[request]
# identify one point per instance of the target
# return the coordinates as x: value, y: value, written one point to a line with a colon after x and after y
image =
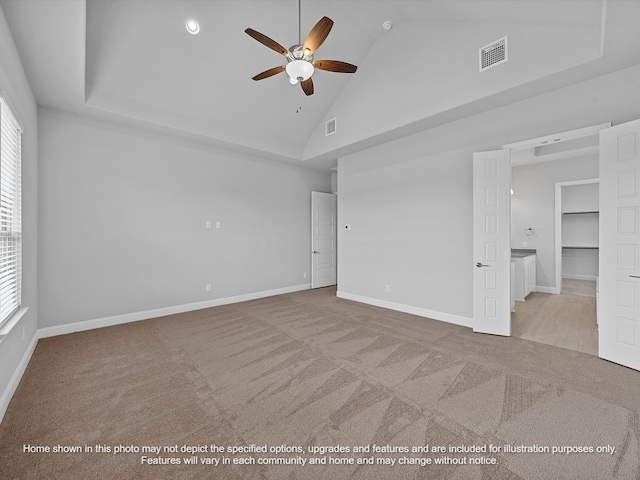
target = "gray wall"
x: 533, y: 205
x: 444, y: 78
x: 123, y: 215
x: 409, y: 202
x: 581, y: 198
x: 16, y: 87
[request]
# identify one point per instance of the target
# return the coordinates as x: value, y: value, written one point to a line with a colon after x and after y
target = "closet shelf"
x: 581, y: 247
x: 586, y: 212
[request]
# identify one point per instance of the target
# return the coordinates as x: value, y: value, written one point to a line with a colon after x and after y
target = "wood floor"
x: 585, y: 288
x: 567, y: 321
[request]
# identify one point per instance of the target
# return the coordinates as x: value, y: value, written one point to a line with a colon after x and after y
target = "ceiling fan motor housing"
x: 299, y: 63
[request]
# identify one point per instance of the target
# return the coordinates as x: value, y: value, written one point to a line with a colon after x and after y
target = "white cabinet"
x: 529, y: 274
x: 519, y: 278
x: 524, y: 271
x: 513, y: 285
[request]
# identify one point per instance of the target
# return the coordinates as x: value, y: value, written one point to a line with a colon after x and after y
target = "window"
x: 10, y: 212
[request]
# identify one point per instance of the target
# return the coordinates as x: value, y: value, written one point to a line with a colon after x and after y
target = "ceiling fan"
x: 300, y: 62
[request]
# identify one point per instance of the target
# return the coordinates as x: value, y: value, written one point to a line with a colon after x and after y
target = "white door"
x: 619, y: 297
x: 323, y: 239
x: 492, y: 242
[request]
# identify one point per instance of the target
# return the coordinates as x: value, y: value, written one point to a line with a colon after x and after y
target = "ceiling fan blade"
x: 307, y: 86
x: 269, y: 73
x: 334, y: 66
x: 318, y: 34
x: 267, y: 42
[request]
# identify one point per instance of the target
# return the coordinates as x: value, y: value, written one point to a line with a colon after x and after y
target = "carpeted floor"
x: 304, y: 376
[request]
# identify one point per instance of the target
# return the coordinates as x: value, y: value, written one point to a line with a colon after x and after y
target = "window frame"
x: 10, y: 212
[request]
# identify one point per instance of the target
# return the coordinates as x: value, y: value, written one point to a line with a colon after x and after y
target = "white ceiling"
x: 133, y: 61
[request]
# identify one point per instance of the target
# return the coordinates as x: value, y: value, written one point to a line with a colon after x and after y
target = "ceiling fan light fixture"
x: 299, y: 70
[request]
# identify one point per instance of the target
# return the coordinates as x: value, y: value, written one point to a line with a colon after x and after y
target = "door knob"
x: 481, y: 265
x: 315, y: 251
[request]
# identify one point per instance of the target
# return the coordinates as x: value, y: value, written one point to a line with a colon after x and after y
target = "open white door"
x: 323, y: 239
x: 492, y: 242
x: 619, y: 270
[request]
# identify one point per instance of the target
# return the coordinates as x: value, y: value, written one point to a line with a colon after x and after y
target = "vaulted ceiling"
x: 133, y: 61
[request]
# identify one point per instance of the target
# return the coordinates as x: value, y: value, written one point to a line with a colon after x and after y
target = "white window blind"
x: 10, y: 212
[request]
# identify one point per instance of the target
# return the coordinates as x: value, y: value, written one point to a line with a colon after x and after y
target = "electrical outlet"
x: 524, y: 244
x: 304, y: 275
x: 208, y: 287
x: 387, y: 288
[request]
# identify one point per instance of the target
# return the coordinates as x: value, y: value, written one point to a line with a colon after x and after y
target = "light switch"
x: 217, y: 224
x: 207, y: 224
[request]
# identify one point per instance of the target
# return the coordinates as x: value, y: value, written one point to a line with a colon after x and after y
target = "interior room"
x: 212, y: 256
x: 555, y: 205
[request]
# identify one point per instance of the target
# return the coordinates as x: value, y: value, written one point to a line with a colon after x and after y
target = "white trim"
x: 558, y: 225
x: 7, y: 395
x: 422, y: 312
x: 591, y: 278
x: 11, y: 322
x: 161, y: 312
x: 546, y: 289
x: 558, y: 137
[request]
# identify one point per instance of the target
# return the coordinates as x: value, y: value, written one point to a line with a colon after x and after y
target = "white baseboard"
x: 162, y: 312
x: 580, y: 277
x: 17, y: 376
x: 546, y: 289
x: 421, y: 312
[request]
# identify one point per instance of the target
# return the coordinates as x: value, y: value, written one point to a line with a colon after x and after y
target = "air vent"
x: 330, y: 127
x: 493, y: 54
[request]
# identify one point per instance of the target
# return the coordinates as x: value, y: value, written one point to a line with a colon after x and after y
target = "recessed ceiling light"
x: 192, y: 27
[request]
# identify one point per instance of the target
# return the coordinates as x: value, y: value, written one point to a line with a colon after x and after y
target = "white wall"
x: 581, y: 198
x: 383, y: 96
x: 409, y: 202
x: 123, y: 215
x: 533, y: 205
x: 15, y: 347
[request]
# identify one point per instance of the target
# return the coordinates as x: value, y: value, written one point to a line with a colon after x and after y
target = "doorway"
x: 323, y: 239
x: 617, y: 299
x: 577, y: 219
x: 564, y: 235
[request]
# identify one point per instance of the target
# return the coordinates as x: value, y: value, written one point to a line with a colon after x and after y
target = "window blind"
x: 10, y: 212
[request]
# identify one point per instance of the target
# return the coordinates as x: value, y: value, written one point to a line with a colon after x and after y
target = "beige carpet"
x: 307, y: 370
